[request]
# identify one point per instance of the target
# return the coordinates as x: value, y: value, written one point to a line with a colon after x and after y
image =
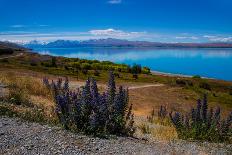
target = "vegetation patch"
x: 203, y: 124
x: 92, y: 112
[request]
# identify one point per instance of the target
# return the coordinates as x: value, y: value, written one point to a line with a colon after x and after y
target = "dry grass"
x: 158, y: 132
x: 29, y: 97
x: 174, y: 98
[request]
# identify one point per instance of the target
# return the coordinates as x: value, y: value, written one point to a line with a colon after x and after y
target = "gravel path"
x: 18, y: 137
x: 145, y: 86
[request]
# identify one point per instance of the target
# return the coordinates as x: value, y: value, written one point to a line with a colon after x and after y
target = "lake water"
x: 212, y: 63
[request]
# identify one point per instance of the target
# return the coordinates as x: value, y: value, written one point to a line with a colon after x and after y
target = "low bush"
x: 146, y: 70
x: 5, y: 51
x: 205, y: 85
x: 96, y: 73
x: 203, y: 124
x: 135, y: 76
x: 184, y: 82
x: 92, y: 112
x: 196, y: 77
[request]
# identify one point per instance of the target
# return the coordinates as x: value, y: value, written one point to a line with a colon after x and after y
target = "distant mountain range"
x: 110, y: 42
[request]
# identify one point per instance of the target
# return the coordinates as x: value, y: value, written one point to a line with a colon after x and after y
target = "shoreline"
x: 179, y: 75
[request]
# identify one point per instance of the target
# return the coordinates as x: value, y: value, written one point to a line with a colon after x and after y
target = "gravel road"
x: 18, y: 137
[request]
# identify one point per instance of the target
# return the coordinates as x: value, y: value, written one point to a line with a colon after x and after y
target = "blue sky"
x: 151, y: 20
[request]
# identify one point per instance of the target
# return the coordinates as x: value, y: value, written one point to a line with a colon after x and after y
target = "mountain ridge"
x: 111, y: 42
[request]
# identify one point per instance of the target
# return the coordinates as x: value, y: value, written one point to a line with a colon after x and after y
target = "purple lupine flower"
x: 198, y: 110
x: 111, y: 88
x: 59, y: 83
x: 176, y: 119
x: 209, y: 118
x: 217, y: 114
x: 204, y: 108
x: 66, y: 85
x: 162, y: 113
x: 193, y: 114
x: 46, y: 82
x: 94, y: 95
x: 186, y: 122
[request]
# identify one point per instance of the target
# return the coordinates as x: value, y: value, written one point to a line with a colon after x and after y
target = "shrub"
x: 96, y: 66
x: 75, y: 65
x: 203, y: 124
x: 135, y: 76
x: 6, y: 51
x: 136, y: 69
x: 117, y: 75
x: 146, y: 70
x: 93, y: 112
x: 53, y: 62
x: 96, y: 73
x: 84, y: 71
x: 33, y: 64
x: 205, y: 85
x: 184, y: 82
x: 196, y: 77
x: 85, y: 66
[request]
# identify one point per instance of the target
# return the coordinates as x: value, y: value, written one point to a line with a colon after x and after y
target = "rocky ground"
x: 19, y: 137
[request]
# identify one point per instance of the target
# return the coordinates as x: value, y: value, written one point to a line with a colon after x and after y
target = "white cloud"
x: 218, y: 38
x: 43, y: 25
x: 17, y: 26
x: 18, y: 36
x: 116, y: 33
x: 115, y: 1
x: 186, y: 37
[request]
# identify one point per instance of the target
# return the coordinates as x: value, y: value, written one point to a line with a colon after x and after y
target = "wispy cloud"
x: 115, y: 1
x: 187, y: 37
x: 26, y: 36
x: 116, y: 33
x: 28, y: 26
x: 218, y: 38
x: 17, y: 26
x: 43, y: 25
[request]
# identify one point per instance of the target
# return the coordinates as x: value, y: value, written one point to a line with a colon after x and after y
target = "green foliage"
x: 146, y: 70
x: 53, y: 62
x: 184, y: 82
x: 203, y: 124
x: 205, y: 85
x: 196, y: 77
x: 85, y: 66
x: 75, y: 65
x: 136, y: 69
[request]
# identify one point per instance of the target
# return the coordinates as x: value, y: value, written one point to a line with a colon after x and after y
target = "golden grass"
x: 31, y: 97
x: 158, y: 132
x: 161, y: 130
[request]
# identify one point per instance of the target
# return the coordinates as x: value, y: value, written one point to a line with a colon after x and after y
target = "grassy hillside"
x: 31, y: 100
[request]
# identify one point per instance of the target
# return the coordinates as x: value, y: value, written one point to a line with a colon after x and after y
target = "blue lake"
x: 212, y: 63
